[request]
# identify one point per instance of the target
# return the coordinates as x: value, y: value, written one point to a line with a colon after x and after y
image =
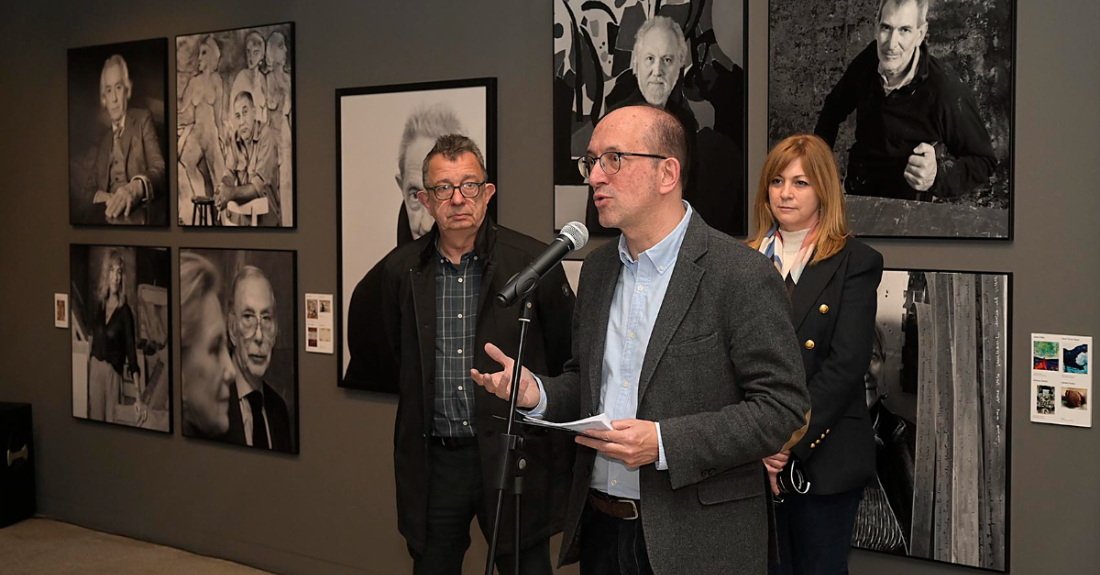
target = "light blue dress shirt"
x: 639, y: 292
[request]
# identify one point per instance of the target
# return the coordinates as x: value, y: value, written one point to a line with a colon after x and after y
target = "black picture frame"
x: 370, y: 122
x: 812, y: 44
x: 143, y: 139
x: 201, y: 406
x: 265, y: 152
x: 965, y: 317
x: 139, y: 396
x: 592, y: 46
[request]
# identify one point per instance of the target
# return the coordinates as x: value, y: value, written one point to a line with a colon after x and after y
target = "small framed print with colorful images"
x: 1061, y: 383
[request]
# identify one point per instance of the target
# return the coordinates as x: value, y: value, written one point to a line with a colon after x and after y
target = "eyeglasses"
x: 443, y: 192
x: 610, y: 162
x: 250, y: 321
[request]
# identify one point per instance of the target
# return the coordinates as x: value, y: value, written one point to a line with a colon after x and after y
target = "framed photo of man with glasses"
x: 238, y: 341
x: 383, y: 134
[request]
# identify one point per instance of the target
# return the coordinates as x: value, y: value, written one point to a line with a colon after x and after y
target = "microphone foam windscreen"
x: 577, y: 233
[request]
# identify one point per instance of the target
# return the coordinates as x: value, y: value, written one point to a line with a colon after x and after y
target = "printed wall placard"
x: 1061, y: 382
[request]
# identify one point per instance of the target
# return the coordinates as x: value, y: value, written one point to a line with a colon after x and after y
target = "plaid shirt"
x: 457, y: 290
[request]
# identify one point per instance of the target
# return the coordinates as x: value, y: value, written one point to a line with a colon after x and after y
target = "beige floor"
x: 46, y: 547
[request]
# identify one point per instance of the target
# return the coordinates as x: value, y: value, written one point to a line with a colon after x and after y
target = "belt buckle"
x: 634, y: 508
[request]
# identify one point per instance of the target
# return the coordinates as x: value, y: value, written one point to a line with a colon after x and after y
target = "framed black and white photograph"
x: 938, y: 392
x: 917, y: 100
x: 383, y: 135
x: 235, y: 127
x: 117, y: 136
x: 120, y: 326
x: 687, y: 57
x: 239, y: 347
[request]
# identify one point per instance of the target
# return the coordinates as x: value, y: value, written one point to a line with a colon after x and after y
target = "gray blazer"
x: 723, y: 376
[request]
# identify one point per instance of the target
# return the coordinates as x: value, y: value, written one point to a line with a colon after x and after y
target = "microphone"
x: 572, y: 237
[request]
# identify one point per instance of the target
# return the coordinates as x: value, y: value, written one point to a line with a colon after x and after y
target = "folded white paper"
x: 597, y: 422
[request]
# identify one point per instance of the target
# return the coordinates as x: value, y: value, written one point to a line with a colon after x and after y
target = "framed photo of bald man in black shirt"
x: 686, y: 57
x: 917, y: 100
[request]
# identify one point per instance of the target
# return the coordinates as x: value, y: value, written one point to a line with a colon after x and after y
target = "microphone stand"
x: 513, y: 463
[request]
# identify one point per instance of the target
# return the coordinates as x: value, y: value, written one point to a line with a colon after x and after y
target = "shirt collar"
x: 443, y: 259
x: 244, y: 388
x: 910, y: 74
x: 118, y: 127
x: 483, y: 243
x: 664, y: 253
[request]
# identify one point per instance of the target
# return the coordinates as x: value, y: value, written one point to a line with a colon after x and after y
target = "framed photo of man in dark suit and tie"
x: 117, y: 138
x: 238, y: 342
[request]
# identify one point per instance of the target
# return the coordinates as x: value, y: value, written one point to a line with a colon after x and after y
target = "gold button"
x: 827, y: 431
x: 823, y: 309
x: 813, y: 445
x: 822, y: 436
x: 809, y: 344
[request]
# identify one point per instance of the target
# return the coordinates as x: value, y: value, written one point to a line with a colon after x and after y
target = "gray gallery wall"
x: 331, y: 510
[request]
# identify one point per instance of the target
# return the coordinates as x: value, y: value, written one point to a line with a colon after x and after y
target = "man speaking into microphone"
x: 683, y: 339
x: 436, y: 310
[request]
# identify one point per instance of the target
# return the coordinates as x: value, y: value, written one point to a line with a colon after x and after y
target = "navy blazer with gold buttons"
x: 833, y: 309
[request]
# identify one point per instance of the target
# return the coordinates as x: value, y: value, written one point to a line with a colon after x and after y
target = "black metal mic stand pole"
x: 512, y: 463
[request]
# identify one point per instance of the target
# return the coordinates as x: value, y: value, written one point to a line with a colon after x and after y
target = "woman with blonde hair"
x: 114, y: 350
x: 832, y: 280
x: 207, y: 371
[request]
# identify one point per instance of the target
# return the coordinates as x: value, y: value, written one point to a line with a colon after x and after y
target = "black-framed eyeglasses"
x: 444, y: 192
x: 610, y: 162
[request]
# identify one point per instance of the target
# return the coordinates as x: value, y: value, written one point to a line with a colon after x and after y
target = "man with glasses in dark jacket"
x: 417, y: 324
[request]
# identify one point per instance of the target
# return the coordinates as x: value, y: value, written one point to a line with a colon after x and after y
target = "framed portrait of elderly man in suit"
x: 916, y: 99
x: 685, y: 56
x: 117, y: 138
x: 239, y: 347
x: 383, y: 134
x: 235, y: 131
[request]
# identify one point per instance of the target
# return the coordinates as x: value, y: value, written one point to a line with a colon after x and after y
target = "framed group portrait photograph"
x: 119, y: 328
x: 938, y: 394
x: 383, y: 135
x: 687, y: 57
x: 239, y: 347
x: 235, y: 127
x: 117, y: 136
x: 916, y: 99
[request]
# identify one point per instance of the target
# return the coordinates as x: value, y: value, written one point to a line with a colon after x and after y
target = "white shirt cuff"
x: 540, y: 409
x: 662, y: 463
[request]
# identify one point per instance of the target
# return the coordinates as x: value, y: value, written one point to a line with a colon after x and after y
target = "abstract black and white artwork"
x: 235, y: 127
x: 383, y: 136
x: 239, y: 342
x: 685, y: 56
x: 117, y: 137
x: 938, y: 393
x: 121, y: 360
x: 916, y: 99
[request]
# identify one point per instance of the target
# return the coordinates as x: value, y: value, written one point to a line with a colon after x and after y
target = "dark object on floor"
x: 17, y: 500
